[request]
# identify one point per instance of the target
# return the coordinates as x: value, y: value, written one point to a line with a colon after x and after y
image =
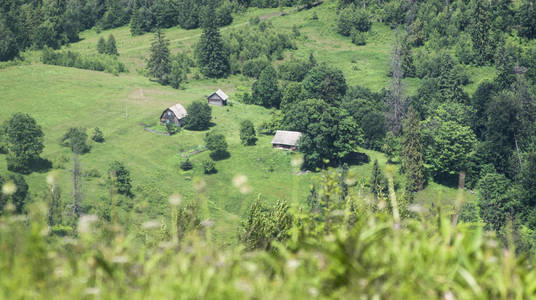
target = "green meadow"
x: 60, y: 98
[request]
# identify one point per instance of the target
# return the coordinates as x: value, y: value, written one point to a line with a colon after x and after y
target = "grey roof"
x: 283, y: 137
x: 179, y: 111
x: 221, y: 94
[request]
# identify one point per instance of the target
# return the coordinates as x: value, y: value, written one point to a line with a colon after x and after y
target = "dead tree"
x: 396, y: 101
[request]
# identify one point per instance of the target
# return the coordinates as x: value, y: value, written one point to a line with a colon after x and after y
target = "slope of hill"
x: 59, y: 98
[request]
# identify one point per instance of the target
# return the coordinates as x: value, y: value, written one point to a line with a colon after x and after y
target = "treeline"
x: 52, y: 23
x: 97, y: 62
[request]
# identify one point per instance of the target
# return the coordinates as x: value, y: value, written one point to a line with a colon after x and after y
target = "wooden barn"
x: 287, y: 140
x: 174, y: 114
x: 218, y: 98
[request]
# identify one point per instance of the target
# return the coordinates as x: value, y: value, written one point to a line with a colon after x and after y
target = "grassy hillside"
x: 59, y: 98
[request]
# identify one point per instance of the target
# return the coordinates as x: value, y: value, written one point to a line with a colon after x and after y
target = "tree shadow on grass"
x: 210, y: 125
x: 41, y: 165
x: 356, y: 158
x: 219, y: 155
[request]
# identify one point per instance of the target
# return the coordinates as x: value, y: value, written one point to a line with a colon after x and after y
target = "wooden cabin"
x: 174, y: 114
x: 218, y: 98
x: 287, y: 140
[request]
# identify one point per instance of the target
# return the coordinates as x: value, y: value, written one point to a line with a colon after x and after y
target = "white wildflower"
x: 239, y: 180
x: 296, y: 162
x: 121, y: 259
x: 175, y: 199
x: 9, y: 188
x: 151, y: 224
x: 199, y: 185
x: 92, y: 291
x: 85, y: 221
x: 292, y: 264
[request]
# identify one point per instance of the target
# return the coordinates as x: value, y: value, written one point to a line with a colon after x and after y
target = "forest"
x: 415, y: 175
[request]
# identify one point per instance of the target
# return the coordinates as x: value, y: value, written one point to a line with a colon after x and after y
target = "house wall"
x: 284, y: 147
x: 169, y: 116
x: 215, y: 100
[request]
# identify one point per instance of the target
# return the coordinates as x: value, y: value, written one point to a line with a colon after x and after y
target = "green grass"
x: 59, y: 98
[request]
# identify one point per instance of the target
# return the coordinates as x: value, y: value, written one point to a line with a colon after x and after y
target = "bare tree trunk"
x: 395, y: 101
x: 459, y: 197
x: 77, y: 187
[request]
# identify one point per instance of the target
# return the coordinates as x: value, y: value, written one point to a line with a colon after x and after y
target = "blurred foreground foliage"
x: 343, y: 244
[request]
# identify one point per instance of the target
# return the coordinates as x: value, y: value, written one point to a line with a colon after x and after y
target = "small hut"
x: 287, y: 140
x: 174, y: 114
x: 218, y: 98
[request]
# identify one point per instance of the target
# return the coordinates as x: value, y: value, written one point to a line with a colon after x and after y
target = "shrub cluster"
x: 105, y: 63
x: 252, y: 48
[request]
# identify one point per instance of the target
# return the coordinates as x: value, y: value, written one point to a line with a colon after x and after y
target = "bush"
x: 76, y: 139
x: 253, y: 67
x: 260, y: 44
x: 100, y: 62
x: 353, y: 18
x: 217, y: 145
x: 358, y: 37
x: 186, y: 165
x: 247, y: 133
x: 120, y: 178
x: 209, y: 167
x: 172, y: 128
x: 98, y: 136
x: 294, y: 69
x: 199, y: 115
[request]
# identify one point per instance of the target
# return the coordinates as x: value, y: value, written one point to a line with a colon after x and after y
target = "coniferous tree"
x: 266, y: 90
x: 391, y: 146
x: 412, y: 156
x: 480, y: 31
x: 378, y: 181
x: 527, y: 18
x: 120, y: 175
x: 101, y: 46
x: 450, y: 88
x: 55, y: 209
x: 158, y: 64
x: 178, y: 71
x: 111, y: 47
x: 211, y: 54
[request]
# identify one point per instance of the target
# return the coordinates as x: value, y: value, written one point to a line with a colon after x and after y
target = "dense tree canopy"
x: 265, y: 91
x: 24, y: 142
x: 199, y: 115
x: 324, y: 82
x: 329, y: 133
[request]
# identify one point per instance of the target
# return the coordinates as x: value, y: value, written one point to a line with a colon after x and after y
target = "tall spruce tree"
x: 480, y: 31
x: 111, y: 47
x: 211, y: 54
x: 378, y: 181
x: 101, y: 46
x: 158, y: 64
x: 412, y: 157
